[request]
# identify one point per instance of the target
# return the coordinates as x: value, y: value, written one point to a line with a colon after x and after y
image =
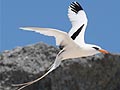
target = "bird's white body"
x: 72, y: 43
x: 77, y: 51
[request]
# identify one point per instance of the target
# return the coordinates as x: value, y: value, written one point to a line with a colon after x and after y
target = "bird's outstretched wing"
x: 60, y: 36
x: 53, y: 66
x: 79, y: 20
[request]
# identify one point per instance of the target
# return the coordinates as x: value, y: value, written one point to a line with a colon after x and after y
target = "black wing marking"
x: 61, y: 47
x: 77, y: 32
x: 76, y: 7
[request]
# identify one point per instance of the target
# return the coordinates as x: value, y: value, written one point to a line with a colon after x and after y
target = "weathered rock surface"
x: 23, y: 64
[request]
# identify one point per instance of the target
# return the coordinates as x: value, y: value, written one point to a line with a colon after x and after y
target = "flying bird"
x: 72, y: 44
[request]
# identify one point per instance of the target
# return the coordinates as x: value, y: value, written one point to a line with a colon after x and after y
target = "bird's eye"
x: 96, y: 48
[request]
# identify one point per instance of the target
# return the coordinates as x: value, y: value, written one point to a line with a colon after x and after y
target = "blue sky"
x: 103, y: 27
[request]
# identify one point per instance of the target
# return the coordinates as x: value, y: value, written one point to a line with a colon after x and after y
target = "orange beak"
x: 103, y: 51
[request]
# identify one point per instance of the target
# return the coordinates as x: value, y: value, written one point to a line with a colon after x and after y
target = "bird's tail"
x: 54, y: 66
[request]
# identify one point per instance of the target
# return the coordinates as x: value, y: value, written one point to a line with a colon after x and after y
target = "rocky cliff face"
x: 23, y: 64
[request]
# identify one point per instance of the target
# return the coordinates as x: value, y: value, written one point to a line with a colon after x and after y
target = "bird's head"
x: 99, y: 49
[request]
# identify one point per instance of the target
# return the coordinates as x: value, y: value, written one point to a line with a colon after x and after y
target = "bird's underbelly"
x: 76, y: 53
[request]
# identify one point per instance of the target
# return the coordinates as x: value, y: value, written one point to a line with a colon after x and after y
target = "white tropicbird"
x: 72, y: 44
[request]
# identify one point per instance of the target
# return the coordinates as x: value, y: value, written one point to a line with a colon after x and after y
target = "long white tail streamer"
x: 54, y: 66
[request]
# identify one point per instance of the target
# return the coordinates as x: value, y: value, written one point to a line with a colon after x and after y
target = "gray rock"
x: 23, y: 64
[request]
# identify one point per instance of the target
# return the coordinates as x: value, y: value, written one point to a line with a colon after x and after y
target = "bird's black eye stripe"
x: 96, y: 48
x: 76, y: 7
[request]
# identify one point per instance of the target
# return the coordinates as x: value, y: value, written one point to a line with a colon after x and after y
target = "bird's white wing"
x: 62, y: 38
x: 78, y: 19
